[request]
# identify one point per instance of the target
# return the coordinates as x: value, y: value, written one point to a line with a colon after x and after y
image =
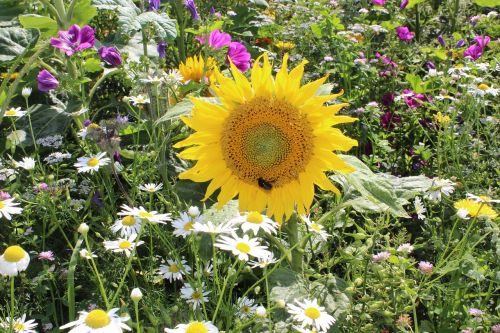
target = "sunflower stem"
x: 293, y: 237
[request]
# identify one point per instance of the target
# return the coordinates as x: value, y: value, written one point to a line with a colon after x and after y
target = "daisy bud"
x: 257, y: 290
x: 261, y: 312
x: 193, y: 211
x: 83, y: 229
x: 26, y: 92
x: 136, y: 295
x: 280, y: 303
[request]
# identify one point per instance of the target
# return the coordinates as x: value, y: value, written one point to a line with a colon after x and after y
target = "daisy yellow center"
x: 92, y: 162
x: 145, y: 215
x: 483, y: 86
x: 267, y: 140
x: 188, y: 226
x: 316, y: 227
x: 2, y: 205
x: 14, y: 253
x: 196, y: 327
x: 245, y: 309
x: 10, y: 113
x: 97, y: 319
x: 174, y: 268
x: 151, y: 189
x: 255, y: 217
x: 243, y: 247
x: 312, y: 313
x: 197, y: 295
x: 124, y: 245
x: 128, y: 220
x: 19, y: 326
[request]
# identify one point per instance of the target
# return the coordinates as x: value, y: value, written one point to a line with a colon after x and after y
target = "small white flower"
x: 173, y: 77
x: 316, y: 227
x: 174, y: 270
x: 482, y: 198
x: 246, y: 307
x: 261, y: 312
x: 263, y: 261
x: 255, y: 221
x: 194, y: 296
x: 27, y: 163
x: 20, y: 325
x: 98, y: 321
x: 8, y: 208
x: 211, y: 228
x: 405, y: 248
x: 127, y: 225
x: 141, y: 212
x: 26, y: 92
x: 156, y: 80
x: 243, y: 247
x: 139, y: 100
x: 13, y: 260
x: 193, y: 211
x: 92, y: 163
x: 150, y: 187
x: 125, y: 245
x: 184, y: 225
x: 56, y: 157
x: 85, y: 254
x: 194, y: 327
x: 83, y: 228
x: 380, y: 257
x: 419, y: 208
x: 309, y: 313
x: 14, y: 112
x: 440, y: 186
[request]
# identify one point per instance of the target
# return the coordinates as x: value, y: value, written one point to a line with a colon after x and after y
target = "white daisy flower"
x: 205, y: 271
x: 127, y: 225
x: 482, y: 198
x: 174, y: 271
x: 419, y: 208
x: 194, y: 327
x: 85, y: 254
x: 255, y: 221
x: 125, y: 245
x: 194, y: 296
x: 246, y: 307
x: 263, y: 261
x: 92, y: 163
x: 405, y: 248
x: 193, y: 211
x: 184, y: 225
x: 13, y: 260
x: 27, y: 163
x: 20, y: 325
x: 242, y: 247
x: 98, y: 321
x: 138, y: 100
x: 463, y: 213
x: 309, y: 313
x: 316, y: 227
x: 440, y: 186
x: 156, y: 80
x: 173, y: 77
x: 211, y: 228
x: 14, y: 112
x: 142, y: 213
x: 26, y: 92
x: 8, y: 208
x: 151, y: 188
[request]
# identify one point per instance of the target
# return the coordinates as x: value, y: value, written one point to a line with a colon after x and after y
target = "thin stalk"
x: 96, y: 272
x: 12, y: 304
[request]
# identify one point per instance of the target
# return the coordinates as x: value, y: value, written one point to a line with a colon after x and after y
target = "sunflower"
x: 269, y: 142
x: 195, y: 69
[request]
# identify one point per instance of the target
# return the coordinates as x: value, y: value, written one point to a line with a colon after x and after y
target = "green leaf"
x: 14, y: 41
x: 316, y: 30
x: 114, y: 4
x: 413, y: 3
x: 92, y: 65
x: 487, y: 3
x: 165, y: 27
x: 415, y: 82
x: 46, y: 25
x: 84, y: 12
x: 183, y: 108
x: 441, y: 54
x: 9, y: 10
x: 46, y: 120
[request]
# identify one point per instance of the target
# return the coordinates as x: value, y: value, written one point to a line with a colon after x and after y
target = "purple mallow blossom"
x: 191, y: 6
x: 378, y: 2
x: 239, y: 56
x: 412, y: 99
x: 46, y: 81
x: 403, y: 4
x: 476, y: 50
x: 404, y: 34
x: 74, y: 40
x: 154, y: 5
x: 110, y: 55
x: 218, y: 39
x: 162, y: 49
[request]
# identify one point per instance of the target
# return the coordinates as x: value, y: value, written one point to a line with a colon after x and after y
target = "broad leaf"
x: 413, y: 3
x: 46, y: 25
x: 165, y: 27
x: 487, y: 3
x: 14, y: 41
x: 83, y: 13
x: 183, y: 108
x: 114, y: 4
x: 46, y: 120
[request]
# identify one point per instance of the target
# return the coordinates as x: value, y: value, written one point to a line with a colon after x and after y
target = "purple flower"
x: 476, y: 50
x: 382, y: 256
x: 412, y: 99
x: 219, y: 39
x: 191, y: 6
x: 4, y: 196
x: 430, y: 65
x: 403, y: 4
x: 388, y: 120
x: 154, y: 5
x: 441, y: 41
x: 378, y: 2
x: 74, y: 40
x: 460, y: 43
x: 214, y: 12
x: 239, y: 56
x: 41, y: 187
x: 388, y: 99
x: 122, y: 120
x: 46, y: 255
x: 87, y: 122
x: 46, y: 81
x: 404, y: 34
x: 476, y: 312
x: 162, y: 49
x: 117, y: 157
x: 386, y: 60
x: 110, y: 55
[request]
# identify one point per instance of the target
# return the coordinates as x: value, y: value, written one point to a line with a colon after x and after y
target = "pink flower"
x: 382, y: 256
x: 218, y: 39
x: 378, y: 2
x: 239, y: 56
x: 425, y: 267
x: 476, y: 50
x: 74, y: 40
x: 412, y: 99
x: 46, y: 255
x: 405, y: 34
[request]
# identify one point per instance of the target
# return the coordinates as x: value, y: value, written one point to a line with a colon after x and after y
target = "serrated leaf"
x: 183, y: 108
x: 46, y: 25
x: 14, y: 41
x: 83, y: 13
x: 114, y: 4
x: 487, y: 3
x: 92, y: 65
x: 165, y: 27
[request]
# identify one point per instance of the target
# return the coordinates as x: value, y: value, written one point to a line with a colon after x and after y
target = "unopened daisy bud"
x: 193, y: 211
x: 136, y: 295
x: 83, y: 229
x: 257, y: 290
x: 261, y: 312
x: 26, y: 92
x: 280, y: 303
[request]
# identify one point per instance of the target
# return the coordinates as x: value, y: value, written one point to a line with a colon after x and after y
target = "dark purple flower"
x: 110, y: 55
x: 191, y: 6
x: 219, y: 39
x: 154, y: 5
x: 87, y: 122
x: 74, y: 40
x: 430, y: 65
x: 386, y: 60
x: 412, y: 99
x: 117, y: 157
x: 239, y: 56
x: 460, y: 43
x: 403, y: 4
x: 388, y: 99
x: 388, y: 120
x: 162, y: 49
x: 96, y: 199
x: 46, y: 81
x: 441, y: 41
x: 404, y: 34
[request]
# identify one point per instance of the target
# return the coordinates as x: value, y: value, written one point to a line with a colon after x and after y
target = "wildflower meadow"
x: 195, y: 166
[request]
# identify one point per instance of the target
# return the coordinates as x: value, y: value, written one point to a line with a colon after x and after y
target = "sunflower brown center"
x: 267, y: 140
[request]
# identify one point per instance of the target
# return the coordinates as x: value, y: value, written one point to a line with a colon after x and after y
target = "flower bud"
x: 281, y: 303
x: 261, y: 312
x: 136, y: 295
x: 26, y: 92
x: 193, y: 211
x: 83, y: 229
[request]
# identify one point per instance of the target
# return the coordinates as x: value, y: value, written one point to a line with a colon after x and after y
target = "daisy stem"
x: 223, y: 289
x: 214, y: 259
x: 12, y: 304
x: 96, y: 272
x: 138, y: 323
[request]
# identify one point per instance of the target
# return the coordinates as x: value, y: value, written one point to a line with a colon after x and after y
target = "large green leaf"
x: 46, y: 120
x: 487, y: 3
x: 84, y: 12
x: 413, y: 3
x: 14, y: 41
x: 46, y: 25
x: 9, y: 10
x: 114, y: 4
x: 165, y: 27
x: 184, y: 108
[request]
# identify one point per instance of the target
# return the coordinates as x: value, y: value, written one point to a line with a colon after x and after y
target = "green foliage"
x: 46, y: 25
x: 83, y: 13
x: 15, y: 41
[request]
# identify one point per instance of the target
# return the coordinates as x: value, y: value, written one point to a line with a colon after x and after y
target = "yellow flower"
x: 195, y: 69
x: 442, y: 119
x: 269, y: 142
x: 284, y: 45
x: 483, y: 86
x: 469, y: 207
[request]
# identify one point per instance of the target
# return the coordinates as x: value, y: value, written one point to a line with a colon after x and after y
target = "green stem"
x: 96, y: 272
x: 222, y: 292
x: 138, y: 324
x: 293, y: 238
x: 12, y: 304
x: 417, y: 23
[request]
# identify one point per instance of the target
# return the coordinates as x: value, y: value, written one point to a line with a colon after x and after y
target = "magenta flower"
x: 378, y: 2
x: 239, y: 56
x: 110, y: 55
x: 403, y: 4
x: 191, y: 6
x: 46, y: 81
x: 389, y: 120
x: 476, y: 50
x: 74, y: 40
x: 404, y: 34
x: 412, y: 99
x: 219, y: 39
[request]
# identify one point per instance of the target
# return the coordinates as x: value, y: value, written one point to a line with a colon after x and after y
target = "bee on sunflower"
x: 269, y: 142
